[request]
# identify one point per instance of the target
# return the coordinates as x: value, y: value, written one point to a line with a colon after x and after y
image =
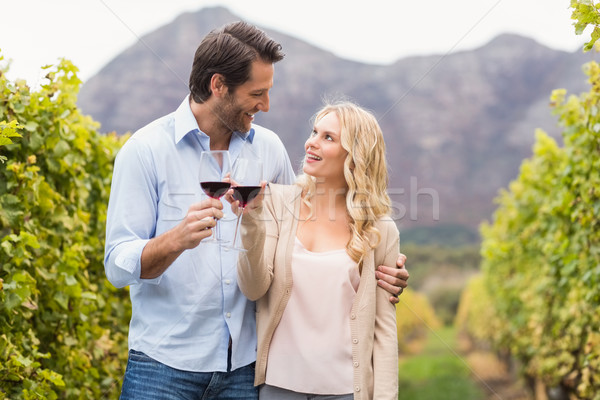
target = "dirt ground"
x: 495, y: 380
x: 494, y: 377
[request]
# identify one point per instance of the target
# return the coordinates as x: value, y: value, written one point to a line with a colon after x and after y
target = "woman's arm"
x: 259, y: 231
x: 385, y: 346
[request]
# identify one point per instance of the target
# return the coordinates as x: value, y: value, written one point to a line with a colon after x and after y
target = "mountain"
x: 457, y: 126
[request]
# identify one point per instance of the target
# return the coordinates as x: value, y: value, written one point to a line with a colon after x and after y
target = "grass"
x: 437, y: 372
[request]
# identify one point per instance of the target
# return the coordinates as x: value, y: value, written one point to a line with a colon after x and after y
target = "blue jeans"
x: 148, y: 379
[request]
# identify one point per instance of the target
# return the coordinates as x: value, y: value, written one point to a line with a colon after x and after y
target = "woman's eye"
x: 327, y: 137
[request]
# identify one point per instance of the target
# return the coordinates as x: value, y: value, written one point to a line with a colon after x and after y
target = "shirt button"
x: 228, y: 315
x: 227, y: 281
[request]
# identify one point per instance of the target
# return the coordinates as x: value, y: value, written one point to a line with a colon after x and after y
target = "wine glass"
x: 215, y: 165
x: 246, y: 176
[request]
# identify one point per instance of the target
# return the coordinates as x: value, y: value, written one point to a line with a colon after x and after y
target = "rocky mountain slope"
x: 457, y: 125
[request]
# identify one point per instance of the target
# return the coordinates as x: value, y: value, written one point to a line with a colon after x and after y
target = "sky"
x: 34, y: 33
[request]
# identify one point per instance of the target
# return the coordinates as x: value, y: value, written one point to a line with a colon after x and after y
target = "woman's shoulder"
x: 278, y: 190
x: 279, y: 197
x: 386, y: 225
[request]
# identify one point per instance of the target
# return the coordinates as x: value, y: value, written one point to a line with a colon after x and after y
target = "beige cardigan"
x: 264, y: 274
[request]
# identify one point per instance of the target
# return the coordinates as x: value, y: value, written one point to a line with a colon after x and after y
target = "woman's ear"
x: 351, y: 165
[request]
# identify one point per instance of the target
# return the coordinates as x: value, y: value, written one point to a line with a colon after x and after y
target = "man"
x: 192, y: 332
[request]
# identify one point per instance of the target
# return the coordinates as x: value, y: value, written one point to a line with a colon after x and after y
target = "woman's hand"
x: 252, y: 205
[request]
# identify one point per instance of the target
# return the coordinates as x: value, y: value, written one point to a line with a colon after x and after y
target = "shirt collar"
x: 248, y: 136
x: 185, y: 123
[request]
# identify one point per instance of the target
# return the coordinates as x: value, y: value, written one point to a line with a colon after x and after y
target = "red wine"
x: 245, y: 194
x: 216, y: 190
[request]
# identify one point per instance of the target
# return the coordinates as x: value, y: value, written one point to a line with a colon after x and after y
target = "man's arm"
x: 132, y: 251
x: 393, y: 280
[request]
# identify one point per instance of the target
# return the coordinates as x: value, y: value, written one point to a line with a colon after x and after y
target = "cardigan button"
x: 354, y: 341
x: 356, y: 364
x: 352, y: 316
x: 357, y: 388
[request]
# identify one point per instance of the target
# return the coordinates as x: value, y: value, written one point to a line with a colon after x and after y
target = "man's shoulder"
x: 156, y: 128
x: 261, y: 130
x: 155, y: 133
x: 265, y: 136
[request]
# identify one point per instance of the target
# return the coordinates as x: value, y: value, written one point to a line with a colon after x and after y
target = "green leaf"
x: 31, y: 126
x: 22, y: 361
x: 36, y: 141
x: 61, y: 148
x: 62, y: 300
x: 11, y: 300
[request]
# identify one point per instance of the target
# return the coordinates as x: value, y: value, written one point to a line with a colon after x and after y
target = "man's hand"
x: 394, y: 280
x: 198, y: 223
x: 160, y: 252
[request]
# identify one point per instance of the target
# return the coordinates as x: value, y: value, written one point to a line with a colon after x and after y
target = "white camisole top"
x: 311, y: 349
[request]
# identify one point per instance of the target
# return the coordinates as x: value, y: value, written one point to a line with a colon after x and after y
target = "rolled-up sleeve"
x: 131, y: 215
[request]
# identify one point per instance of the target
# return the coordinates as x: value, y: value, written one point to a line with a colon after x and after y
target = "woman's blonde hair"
x: 365, y: 171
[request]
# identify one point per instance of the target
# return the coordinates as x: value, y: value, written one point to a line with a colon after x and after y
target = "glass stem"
x: 237, y: 224
x: 216, y: 232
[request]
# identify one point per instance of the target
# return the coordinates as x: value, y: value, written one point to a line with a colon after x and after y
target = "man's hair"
x: 230, y: 51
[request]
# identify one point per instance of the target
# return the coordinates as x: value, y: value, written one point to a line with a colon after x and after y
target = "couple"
x: 193, y: 332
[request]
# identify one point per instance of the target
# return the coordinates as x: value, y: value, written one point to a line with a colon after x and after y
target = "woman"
x: 324, y: 326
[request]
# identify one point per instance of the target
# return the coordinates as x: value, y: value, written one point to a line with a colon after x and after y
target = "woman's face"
x: 324, y: 152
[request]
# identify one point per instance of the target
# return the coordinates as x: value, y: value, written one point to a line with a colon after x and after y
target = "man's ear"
x: 217, y: 85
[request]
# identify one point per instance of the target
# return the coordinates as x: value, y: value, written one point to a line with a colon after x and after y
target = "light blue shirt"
x: 184, y: 317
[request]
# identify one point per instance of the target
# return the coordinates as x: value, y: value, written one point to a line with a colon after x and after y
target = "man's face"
x: 236, y: 110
